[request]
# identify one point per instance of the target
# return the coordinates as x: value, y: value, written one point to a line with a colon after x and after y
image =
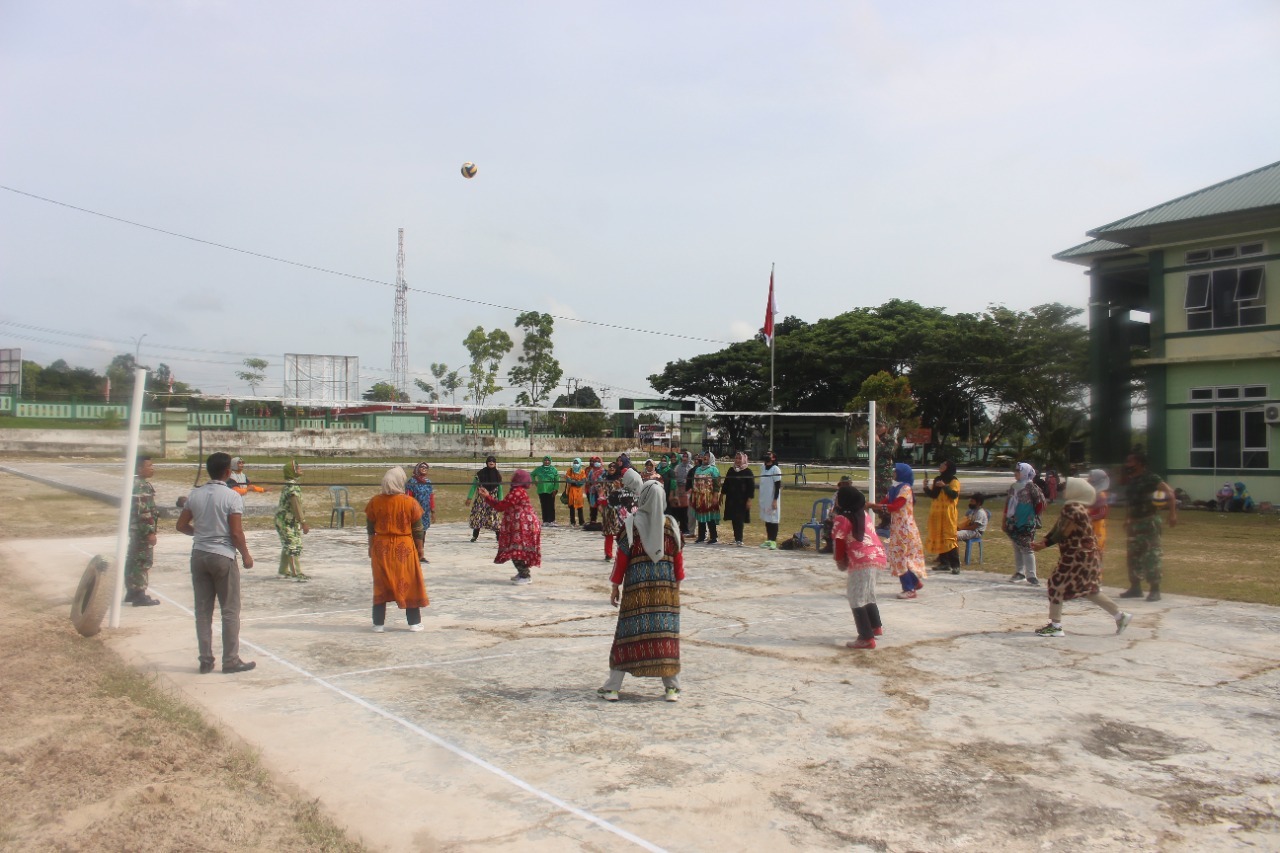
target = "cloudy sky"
x: 641, y: 165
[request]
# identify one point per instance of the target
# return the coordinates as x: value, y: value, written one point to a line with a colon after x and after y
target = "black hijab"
x: 947, y: 471
x: 489, y: 477
x: 852, y: 504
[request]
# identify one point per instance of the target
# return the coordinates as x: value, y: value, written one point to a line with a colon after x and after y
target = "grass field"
x: 1215, y: 555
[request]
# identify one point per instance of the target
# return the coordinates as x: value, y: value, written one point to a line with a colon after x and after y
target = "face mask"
x: 595, y: 464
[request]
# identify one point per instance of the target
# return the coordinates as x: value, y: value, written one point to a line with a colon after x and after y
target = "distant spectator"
x: 1240, y: 501
x: 975, y: 520
x: 239, y: 480
x: 1224, y: 496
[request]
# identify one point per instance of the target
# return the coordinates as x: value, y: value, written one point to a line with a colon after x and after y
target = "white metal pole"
x: 126, y: 493
x: 871, y: 451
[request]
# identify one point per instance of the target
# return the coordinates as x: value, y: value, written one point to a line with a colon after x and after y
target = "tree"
x: 385, y: 392
x: 1036, y: 364
x: 733, y: 379
x: 255, y: 374
x: 487, y: 351
x: 586, y: 424
x: 538, y: 371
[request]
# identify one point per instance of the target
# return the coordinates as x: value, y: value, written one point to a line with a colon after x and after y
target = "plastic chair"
x: 821, y: 509
x: 340, y: 506
x: 969, y: 543
x: 798, y: 471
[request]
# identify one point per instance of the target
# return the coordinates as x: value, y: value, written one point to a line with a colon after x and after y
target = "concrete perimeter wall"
x: 334, y: 443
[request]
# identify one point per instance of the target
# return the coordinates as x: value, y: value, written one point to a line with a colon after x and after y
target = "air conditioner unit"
x: 1271, y: 414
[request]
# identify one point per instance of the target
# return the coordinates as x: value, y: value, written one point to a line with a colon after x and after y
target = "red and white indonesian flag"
x: 769, y: 311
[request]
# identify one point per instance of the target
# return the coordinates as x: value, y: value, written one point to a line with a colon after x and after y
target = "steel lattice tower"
x: 399, y: 345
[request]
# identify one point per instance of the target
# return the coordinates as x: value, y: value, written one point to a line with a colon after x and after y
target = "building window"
x: 1223, y: 253
x: 1229, y: 439
x: 1226, y: 298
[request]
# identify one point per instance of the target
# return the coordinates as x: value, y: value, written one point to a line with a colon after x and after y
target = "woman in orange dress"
x: 394, y: 524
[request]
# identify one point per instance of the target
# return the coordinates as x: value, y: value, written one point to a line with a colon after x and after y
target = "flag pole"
x: 772, y: 349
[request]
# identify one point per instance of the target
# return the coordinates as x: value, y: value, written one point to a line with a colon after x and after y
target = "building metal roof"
x: 1256, y: 189
x: 1093, y: 247
x: 1253, y: 191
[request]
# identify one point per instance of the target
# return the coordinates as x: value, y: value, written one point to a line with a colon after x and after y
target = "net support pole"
x: 126, y: 493
x: 871, y: 450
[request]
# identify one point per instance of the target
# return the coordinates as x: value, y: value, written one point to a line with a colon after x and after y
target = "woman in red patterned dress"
x: 520, y: 531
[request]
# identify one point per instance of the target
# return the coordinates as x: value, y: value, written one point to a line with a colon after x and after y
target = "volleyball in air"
x: 1160, y: 499
x: 469, y: 170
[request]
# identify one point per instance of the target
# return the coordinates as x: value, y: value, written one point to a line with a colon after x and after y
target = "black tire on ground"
x: 93, y: 597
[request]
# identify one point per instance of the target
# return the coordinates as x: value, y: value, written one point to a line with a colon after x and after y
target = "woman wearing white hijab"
x: 1080, y: 565
x: 1022, y: 511
x: 646, y: 589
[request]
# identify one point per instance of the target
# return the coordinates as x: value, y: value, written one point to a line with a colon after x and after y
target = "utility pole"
x: 399, y: 326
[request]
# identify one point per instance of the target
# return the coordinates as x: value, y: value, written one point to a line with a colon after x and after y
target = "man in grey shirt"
x: 213, y: 515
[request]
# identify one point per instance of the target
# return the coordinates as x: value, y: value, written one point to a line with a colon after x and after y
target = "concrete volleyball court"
x: 963, y: 730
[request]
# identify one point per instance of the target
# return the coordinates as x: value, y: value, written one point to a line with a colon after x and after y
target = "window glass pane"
x: 1227, y: 438
x: 1253, y: 316
x: 1250, y: 286
x: 1256, y: 459
x: 1199, y: 320
x: 1197, y: 291
x: 1198, y: 257
x: 1223, y: 299
x: 1229, y: 392
x: 1251, y: 249
x: 1202, y: 430
x: 1224, y: 252
x: 1254, y: 391
x: 1255, y: 430
x: 1202, y: 459
x: 1203, y: 394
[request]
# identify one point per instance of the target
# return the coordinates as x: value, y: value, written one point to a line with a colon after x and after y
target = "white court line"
x: 444, y: 744
x: 297, y: 615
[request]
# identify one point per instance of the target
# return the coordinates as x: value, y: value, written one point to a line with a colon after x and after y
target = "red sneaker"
x: 861, y: 644
x: 879, y: 632
x: 910, y: 593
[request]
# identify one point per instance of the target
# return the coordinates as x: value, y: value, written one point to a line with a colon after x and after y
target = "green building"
x: 1178, y: 299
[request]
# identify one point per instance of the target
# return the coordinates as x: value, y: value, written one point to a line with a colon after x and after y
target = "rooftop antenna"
x: 399, y: 345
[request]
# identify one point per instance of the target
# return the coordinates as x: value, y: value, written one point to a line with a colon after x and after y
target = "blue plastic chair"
x: 821, y: 509
x: 340, y: 506
x: 969, y: 544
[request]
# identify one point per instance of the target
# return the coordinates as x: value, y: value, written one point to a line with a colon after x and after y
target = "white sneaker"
x: 1122, y: 622
x: 416, y: 628
x: 607, y: 695
x: 378, y: 629
x: 519, y: 580
x: 673, y: 694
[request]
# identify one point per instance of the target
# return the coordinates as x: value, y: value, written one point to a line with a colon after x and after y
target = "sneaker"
x: 773, y: 546
x: 713, y: 541
x: 869, y: 643
x: 416, y: 628
x: 238, y: 666
x: 608, y: 557
x: 673, y: 694
x: 1122, y: 622
x: 607, y: 695
x: 1050, y: 630
x: 879, y: 632
x: 521, y: 580
x: 955, y: 571
x: 1017, y: 577
x: 910, y: 593
x: 206, y: 667
x: 1154, y: 595
x: 145, y: 600
x: 1033, y: 581
x: 738, y: 542
x: 378, y: 629
x: 1132, y: 592
x: 766, y: 544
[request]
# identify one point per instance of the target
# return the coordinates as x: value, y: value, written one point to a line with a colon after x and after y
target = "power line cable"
x: 352, y: 276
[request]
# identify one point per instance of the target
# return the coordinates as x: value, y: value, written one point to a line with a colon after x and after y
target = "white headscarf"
x: 393, y: 482
x: 646, y: 524
x: 1078, y: 490
x: 1025, y: 475
x: 632, y: 481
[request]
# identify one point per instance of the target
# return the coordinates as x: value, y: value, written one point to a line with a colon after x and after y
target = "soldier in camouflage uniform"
x: 142, y: 536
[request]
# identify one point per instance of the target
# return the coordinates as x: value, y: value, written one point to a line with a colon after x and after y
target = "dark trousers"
x: 595, y: 513
x: 548, y: 508
x: 413, y: 614
x: 771, y: 531
x: 215, y: 577
x: 576, y: 516
x: 522, y: 568
x: 737, y: 529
